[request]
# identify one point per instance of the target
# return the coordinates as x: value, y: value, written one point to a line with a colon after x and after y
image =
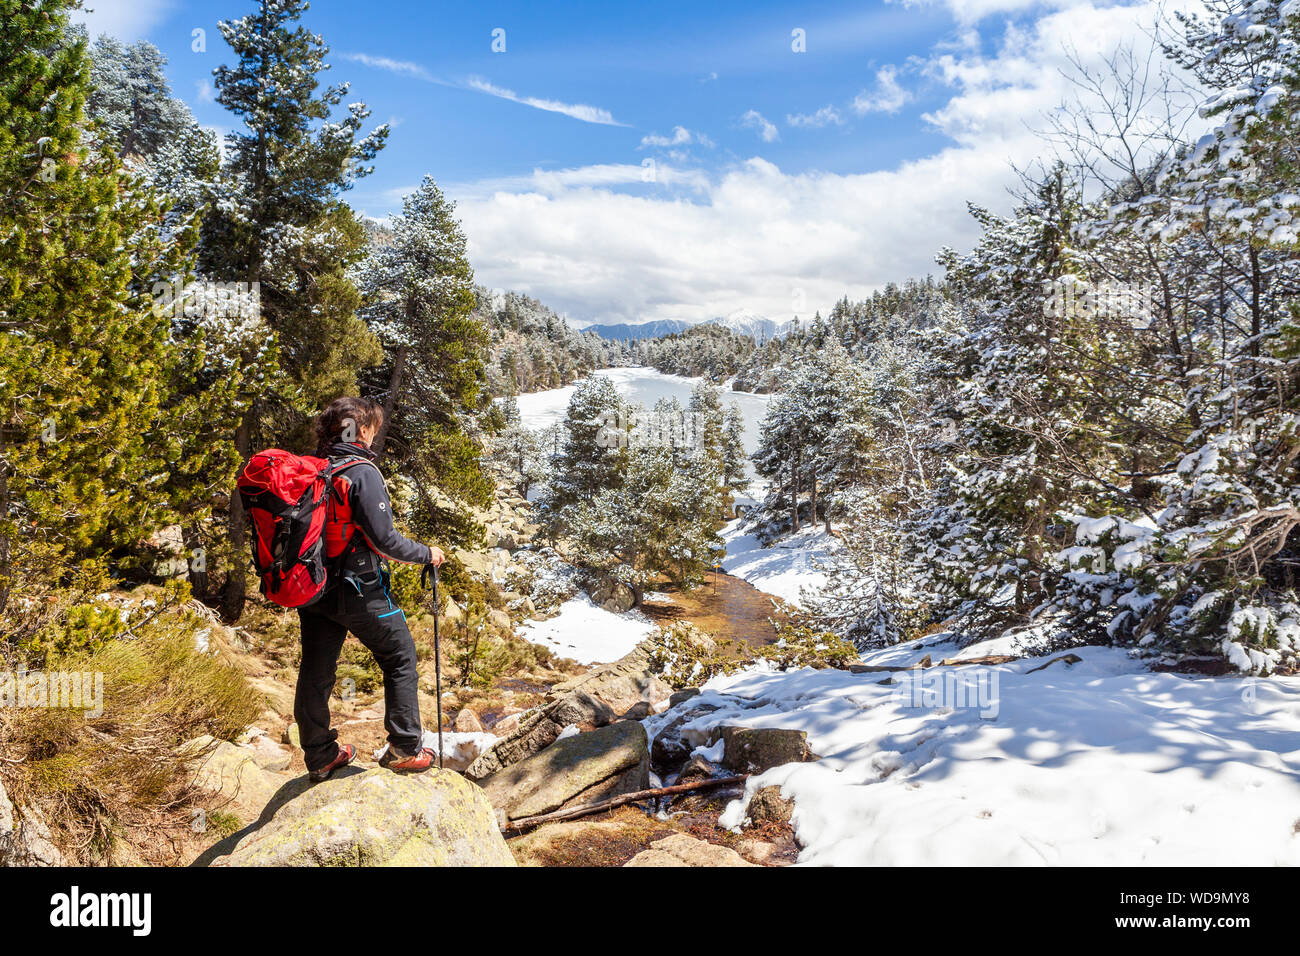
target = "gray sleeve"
x: 372, y: 512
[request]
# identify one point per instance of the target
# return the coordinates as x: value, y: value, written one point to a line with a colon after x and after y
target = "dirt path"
x: 726, y: 606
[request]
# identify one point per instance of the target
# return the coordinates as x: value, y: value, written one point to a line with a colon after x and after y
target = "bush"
x: 803, y: 646
x: 358, y: 665
x: 686, y: 655
x: 99, y: 779
x: 84, y: 623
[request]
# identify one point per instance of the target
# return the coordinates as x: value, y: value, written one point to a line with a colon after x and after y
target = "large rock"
x: 25, y: 840
x: 467, y: 722
x: 594, y: 699
x: 613, y: 596
x: 581, y: 768
x: 756, y: 749
x: 684, y: 850
x: 375, y: 818
x: 767, y: 806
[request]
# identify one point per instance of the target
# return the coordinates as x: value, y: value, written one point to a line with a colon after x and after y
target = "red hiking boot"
x: 401, y: 763
x: 347, y: 754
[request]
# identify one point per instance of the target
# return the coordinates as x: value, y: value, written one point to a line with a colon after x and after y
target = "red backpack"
x: 291, y: 501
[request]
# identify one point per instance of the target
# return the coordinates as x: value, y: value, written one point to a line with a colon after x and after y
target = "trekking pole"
x: 437, y: 654
x: 437, y: 663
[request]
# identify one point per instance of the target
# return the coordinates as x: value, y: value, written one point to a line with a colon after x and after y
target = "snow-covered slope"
x: 758, y: 327
x: 787, y: 569
x: 1100, y: 763
x: 588, y: 634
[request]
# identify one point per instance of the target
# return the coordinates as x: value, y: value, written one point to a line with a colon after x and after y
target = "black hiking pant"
x: 380, y: 625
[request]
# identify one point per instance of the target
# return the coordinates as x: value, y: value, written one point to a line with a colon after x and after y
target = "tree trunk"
x: 390, y: 400
x: 198, y: 576
x: 794, y: 492
x: 5, y: 544
x: 814, y: 498
x: 232, y: 597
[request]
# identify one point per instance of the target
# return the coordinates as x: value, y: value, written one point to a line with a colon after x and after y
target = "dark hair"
x: 335, y: 418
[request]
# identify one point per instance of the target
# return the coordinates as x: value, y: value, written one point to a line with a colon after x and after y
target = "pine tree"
x: 280, y: 225
x: 592, y: 456
x: 420, y: 301
x: 155, y: 133
x: 735, y: 462
x: 89, y: 432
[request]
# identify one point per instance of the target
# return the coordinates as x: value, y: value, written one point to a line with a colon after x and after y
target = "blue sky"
x: 682, y: 160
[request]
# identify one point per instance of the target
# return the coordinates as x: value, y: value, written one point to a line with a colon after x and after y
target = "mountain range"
x: 741, y: 322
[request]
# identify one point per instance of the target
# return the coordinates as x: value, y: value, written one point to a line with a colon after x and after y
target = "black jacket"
x: 372, y: 512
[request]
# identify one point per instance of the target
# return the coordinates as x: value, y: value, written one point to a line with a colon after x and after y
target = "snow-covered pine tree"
x: 592, y: 455
x: 419, y: 299
x: 1208, y: 568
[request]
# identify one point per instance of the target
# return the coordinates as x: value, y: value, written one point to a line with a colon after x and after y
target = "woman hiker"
x: 360, y: 541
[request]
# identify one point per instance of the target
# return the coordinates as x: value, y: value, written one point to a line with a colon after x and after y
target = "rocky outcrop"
x: 621, y: 685
x: 25, y: 840
x: 683, y: 850
x: 594, y: 699
x: 581, y: 768
x: 373, y: 818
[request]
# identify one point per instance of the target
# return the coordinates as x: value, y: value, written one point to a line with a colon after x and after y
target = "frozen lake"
x: 646, y: 386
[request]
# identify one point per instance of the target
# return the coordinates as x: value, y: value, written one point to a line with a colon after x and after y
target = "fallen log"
x: 589, y: 808
x: 925, y: 664
x: 987, y: 659
x: 1068, y: 658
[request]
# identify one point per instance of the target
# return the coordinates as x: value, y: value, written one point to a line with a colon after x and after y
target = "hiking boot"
x: 347, y: 754
x: 399, y: 762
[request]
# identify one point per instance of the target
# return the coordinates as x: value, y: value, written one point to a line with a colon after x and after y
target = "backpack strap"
x: 336, y: 467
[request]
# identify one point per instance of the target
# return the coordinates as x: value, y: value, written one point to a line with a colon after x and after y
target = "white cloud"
x: 767, y: 131
x: 825, y: 116
x: 681, y: 137
x: 1000, y: 97
x: 400, y: 67
x: 125, y: 19
x: 590, y: 242
x: 888, y: 96
x: 972, y: 11
x: 204, y: 92
x: 578, y: 111
x: 557, y: 182
x: 753, y: 238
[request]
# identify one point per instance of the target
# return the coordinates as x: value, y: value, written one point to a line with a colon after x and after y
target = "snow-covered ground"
x: 1100, y: 763
x: 785, y: 569
x: 588, y: 633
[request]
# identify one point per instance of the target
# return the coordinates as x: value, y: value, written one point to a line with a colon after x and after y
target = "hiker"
x: 360, y: 540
